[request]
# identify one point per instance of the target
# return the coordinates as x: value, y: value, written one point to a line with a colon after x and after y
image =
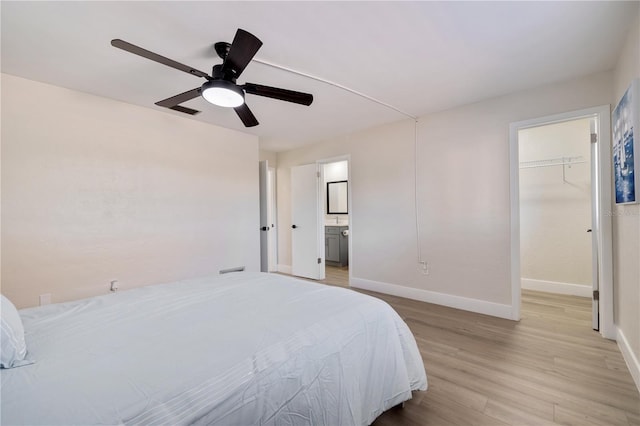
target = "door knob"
x: 588, y: 230
x: 265, y: 228
x: 294, y: 226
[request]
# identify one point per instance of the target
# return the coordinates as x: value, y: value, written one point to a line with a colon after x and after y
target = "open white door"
x: 595, y: 303
x: 307, y: 248
x: 264, y: 216
x: 272, y: 215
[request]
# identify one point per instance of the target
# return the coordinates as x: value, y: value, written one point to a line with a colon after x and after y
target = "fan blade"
x: 178, y: 99
x: 276, y: 93
x: 136, y: 50
x: 242, y: 50
x: 247, y: 117
x: 185, y: 110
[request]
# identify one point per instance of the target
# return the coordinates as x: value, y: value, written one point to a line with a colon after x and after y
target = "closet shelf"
x: 560, y: 161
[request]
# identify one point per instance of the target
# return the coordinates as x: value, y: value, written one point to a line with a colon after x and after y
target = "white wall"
x: 95, y: 190
x: 463, y: 196
x: 338, y: 170
x: 626, y: 227
x: 555, y: 208
x: 371, y: 195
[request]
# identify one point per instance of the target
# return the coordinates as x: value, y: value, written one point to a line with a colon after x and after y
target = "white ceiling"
x: 417, y: 56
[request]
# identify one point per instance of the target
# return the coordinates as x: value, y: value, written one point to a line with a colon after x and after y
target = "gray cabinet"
x: 336, y: 246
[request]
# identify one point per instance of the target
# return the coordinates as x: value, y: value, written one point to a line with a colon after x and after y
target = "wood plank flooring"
x: 336, y: 275
x: 548, y: 369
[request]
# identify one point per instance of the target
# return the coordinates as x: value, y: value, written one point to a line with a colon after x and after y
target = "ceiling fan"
x: 221, y: 88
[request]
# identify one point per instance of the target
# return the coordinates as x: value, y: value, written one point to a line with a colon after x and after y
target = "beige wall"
x: 269, y: 156
x: 95, y: 190
x: 463, y: 157
x: 626, y: 218
x: 372, y: 195
x: 555, y: 209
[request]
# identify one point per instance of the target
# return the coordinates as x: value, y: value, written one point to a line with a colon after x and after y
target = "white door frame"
x: 321, y: 204
x: 604, y: 231
x: 594, y: 128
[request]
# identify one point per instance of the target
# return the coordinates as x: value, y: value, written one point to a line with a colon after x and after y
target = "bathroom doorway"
x: 336, y: 214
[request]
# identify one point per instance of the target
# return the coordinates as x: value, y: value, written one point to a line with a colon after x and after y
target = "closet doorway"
x: 556, y: 238
x: 560, y: 209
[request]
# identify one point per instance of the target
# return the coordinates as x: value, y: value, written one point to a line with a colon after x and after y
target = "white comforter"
x: 235, y: 349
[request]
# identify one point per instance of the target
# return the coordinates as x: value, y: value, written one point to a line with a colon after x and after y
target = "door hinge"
x: 319, y: 261
x: 596, y: 295
x: 594, y: 137
x: 318, y: 174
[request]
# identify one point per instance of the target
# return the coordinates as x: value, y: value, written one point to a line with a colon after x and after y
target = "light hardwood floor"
x: 335, y: 275
x: 549, y: 368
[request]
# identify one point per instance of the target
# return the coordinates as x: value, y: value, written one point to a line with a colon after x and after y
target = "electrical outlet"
x: 425, y: 267
x: 114, y: 285
x: 45, y: 299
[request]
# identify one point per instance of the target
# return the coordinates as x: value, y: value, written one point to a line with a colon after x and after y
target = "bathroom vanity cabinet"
x: 336, y: 245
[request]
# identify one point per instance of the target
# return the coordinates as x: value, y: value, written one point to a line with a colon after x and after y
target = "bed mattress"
x: 235, y: 349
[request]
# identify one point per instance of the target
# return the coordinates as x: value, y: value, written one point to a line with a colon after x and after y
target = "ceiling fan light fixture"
x: 220, y: 88
x: 222, y: 93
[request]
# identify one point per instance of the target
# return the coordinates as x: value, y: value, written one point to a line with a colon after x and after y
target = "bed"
x: 236, y: 349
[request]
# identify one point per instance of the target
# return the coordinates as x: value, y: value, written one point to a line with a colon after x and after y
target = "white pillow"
x: 14, y: 348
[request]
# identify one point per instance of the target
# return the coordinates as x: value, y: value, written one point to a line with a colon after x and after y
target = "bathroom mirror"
x: 337, y: 197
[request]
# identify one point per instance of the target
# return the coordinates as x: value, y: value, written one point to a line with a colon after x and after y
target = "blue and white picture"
x: 624, y: 123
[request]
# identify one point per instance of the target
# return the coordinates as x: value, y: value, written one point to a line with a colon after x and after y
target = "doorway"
x: 268, y: 214
x: 317, y: 229
x: 555, y: 207
x: 335, y: 212
x: 546, y: 159
x: 556, y: 240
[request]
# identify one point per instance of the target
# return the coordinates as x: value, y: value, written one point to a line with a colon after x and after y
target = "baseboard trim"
x: 458, y: 302
x: 629, y: 357
x: 557, y: 287
x: 285, y: 269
